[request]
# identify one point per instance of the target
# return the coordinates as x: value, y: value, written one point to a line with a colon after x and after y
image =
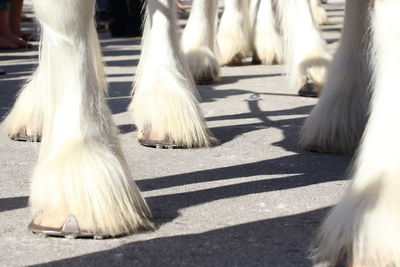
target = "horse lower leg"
x: 165, y: 105
x: 81, y: 170
x: 198, y: 41
x: 364, y: 228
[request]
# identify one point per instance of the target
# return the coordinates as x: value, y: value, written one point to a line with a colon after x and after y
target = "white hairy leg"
x: 318, y: 12
x: 81, y: 170
x: 198, y: 41
x: 267, y: 43
x: 364, y: 228
x: 233, y: 35
x: 337, y: 122
x: 165, y: 105
x: 26, y: 113
x: 305, y: 51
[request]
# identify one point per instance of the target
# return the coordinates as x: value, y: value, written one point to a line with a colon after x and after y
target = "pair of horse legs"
x: 364, y: 228
x: 251, y: 25
x: 82, y: 184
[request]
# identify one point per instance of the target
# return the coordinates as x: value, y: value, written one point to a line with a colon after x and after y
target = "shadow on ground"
x: 13, y: 203
x: 290, y: 127
x: 275, y: 242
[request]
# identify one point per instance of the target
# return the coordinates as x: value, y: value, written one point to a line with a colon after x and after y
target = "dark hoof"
x: 208, y: 78
x: 161, y: 144
x: 236, y: 61
x: 309, y: 90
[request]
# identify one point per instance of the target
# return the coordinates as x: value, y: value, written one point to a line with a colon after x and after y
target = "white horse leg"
x: 318, y: 12
x: 305, y: 50
x: 81, y: 175
x: 165, y: 106
x: 233, y: 35
x: 198, y: 41
x: 24, y: 122
x: 337, y: 122
x: 364, y: 228
x: 267, y: 44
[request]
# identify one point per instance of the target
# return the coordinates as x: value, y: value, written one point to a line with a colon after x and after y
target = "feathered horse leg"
x: 337, y: 122
x: 364, y: 228
x: 266, y: 42
x: 81, y: 184
x: 25, y: 120
x: 305, y: 52
x: 165, y: 105
x: 233, y: 35
x: 198, y: 41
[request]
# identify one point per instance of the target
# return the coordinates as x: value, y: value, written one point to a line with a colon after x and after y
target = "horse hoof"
x: 309, y: 90
x: 69, y: 230
x: 22, y: 136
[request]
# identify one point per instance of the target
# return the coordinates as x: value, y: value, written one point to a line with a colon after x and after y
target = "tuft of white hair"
x: 165, y: 104
x: 267, y: 43
x: 81, y: 170
x: 319, y: 12
x: 24, y: 109
x: 364, y: 228
x: 199, y: 43
x: 233, y: 35
x: 337, y: 122
x: 304, y: 48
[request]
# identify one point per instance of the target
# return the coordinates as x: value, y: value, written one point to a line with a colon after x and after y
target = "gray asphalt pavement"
x: 255, y: 200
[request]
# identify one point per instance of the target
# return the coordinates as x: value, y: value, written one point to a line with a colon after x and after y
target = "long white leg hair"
x: 364, y: 228
x: 305, y: 50
x: 318, y: 12
x: 165, y: 104
x: 26, y: 113
x: 81, y: 170
x: 233, y: 35
x: 199, y: 43
x: 267, y: 43
x: 337, y: 122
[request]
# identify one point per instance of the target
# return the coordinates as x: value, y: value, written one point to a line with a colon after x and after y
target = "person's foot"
x: 180, y: 6
x: 18, y: 41
x: 14, y: 38
x: 27, y: 36
x: 182, y: 11
x: 2, y: 72
x: 7, y: 44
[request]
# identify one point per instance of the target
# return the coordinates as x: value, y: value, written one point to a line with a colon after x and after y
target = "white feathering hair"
x: 233, y: 36
x: 364, y: 228
x: 26, y: 113
x: 165, y: 97
x: 337, y: 122
x: 81, y: 169
x: 304, y: 48
x: 266, y: 40
x: 199, y: 43
x: 319, y: 13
